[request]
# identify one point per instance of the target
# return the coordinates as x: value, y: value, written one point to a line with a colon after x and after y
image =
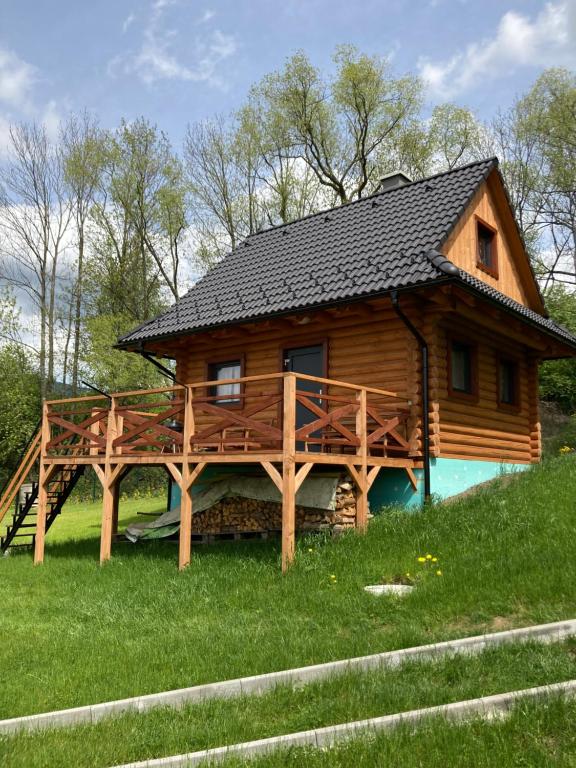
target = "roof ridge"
x: 493, y: 160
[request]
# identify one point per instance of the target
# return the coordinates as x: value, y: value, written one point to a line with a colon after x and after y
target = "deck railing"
x: 258, y: 416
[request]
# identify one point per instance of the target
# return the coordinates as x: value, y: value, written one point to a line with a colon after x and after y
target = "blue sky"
x: 177, y: 61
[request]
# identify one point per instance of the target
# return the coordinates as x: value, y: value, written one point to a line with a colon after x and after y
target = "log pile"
x: 235, y: 515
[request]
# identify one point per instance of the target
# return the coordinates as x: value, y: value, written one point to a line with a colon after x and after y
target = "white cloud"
x: 4, y: 137
x: 51, y: 119
x: 128, y: 21
x: 157, y: 60
x: 19, y: 99
x: 544, y: 41
x: 17, y: 78
x: 207, y: 16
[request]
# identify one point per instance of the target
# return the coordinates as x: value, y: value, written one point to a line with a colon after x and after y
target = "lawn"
x: 534, y: 736
x: 74, y: 633
x: 351, y: 697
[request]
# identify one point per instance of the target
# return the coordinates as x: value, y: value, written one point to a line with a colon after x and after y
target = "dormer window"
x: 487, y: 255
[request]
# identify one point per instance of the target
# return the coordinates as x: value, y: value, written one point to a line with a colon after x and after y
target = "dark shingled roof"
x: 367, y: 247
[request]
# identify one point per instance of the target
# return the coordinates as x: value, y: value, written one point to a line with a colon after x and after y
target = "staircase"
x: 21, y: 530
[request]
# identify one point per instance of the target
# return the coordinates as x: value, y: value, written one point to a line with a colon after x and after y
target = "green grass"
x: 533, y: 736
x: 351, y: 697
x: 82, y: 519
x: 74, y: 633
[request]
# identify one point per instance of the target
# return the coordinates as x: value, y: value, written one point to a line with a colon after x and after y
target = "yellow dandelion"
x: 434, y: 559
x: 438, y: 573
x: 310, y: 550
x: 421, y: 559
x: 428, y: 557
x: 333, y: 576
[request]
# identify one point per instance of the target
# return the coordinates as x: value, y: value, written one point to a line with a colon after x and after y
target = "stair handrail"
x: 27, y: 461
x: 22, y: 453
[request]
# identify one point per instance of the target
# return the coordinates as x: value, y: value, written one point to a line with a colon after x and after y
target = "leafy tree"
x: 34, y: 217
x: 558, y: 377
x: 19, y: 405
x: 147, y: 182
x: 83, y: 159
x: 110, y: 369
x: 537, y: 141
x: 339, y: 126
x: 454, y: 136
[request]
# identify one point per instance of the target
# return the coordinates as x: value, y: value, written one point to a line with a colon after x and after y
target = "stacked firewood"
x: 238, y: 514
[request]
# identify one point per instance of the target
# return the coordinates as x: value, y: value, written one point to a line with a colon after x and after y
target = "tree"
x: 19, y: 405
x: 219, y: 195
x: 454, y: 136
x: 111, y: 369
x: 148, y: 182
x: 537, y: 141
x: 558, y: 377
x: 123, y: 276
x: 340, y: 126
x: 34, y: 217
x: 83, y: 159
x: 19, y: 388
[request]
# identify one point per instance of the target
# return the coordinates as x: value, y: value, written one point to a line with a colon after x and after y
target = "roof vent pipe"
x: 392, y: 181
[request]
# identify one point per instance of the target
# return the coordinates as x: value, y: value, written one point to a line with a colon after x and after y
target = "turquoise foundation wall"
x: 392, y: 487
x: 447, y: 478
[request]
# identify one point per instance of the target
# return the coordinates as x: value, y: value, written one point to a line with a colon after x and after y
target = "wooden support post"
x: 108, y: 488
x: 42, y: 491
x: 289, y: 472
x: 185, y: 540
x: 362, y: 451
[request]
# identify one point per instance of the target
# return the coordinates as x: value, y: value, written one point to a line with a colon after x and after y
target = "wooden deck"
x: 292, y: 424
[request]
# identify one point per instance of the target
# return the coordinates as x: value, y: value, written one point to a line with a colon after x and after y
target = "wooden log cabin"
x: 396, y: 338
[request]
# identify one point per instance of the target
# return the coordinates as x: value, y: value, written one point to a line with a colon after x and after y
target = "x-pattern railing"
x: 251, y: 420
x: 75, y: 429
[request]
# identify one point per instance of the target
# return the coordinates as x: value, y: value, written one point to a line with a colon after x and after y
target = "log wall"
x: 369, y: 345
x: 365, y: 345
x: 479, y: 428
x: 462, y: 248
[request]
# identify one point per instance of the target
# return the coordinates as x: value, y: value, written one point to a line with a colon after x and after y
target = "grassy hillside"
x: 351, y: 697
x: 74, y: 633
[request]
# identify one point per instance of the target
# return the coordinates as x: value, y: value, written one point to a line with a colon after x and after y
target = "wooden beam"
x: 354, y: 474
x: 289, y: 472
x: 302, y: 474
x: 412, y: 477
x: 108, y: 488
x: 372, y: 475
x: 362, y: 452
x: 175, y: 472
x: 274, y: 475
x: 185, y: 538
x: 99, y: 472
x: 195, y: 473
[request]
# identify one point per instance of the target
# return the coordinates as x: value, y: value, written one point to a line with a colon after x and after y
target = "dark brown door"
x: 310, y: 361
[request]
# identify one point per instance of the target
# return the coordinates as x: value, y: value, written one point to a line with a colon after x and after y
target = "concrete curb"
x: 486, y: 707
x: 543, y: 633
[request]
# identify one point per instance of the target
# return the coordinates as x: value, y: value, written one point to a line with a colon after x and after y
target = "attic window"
x: 487, y: 255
